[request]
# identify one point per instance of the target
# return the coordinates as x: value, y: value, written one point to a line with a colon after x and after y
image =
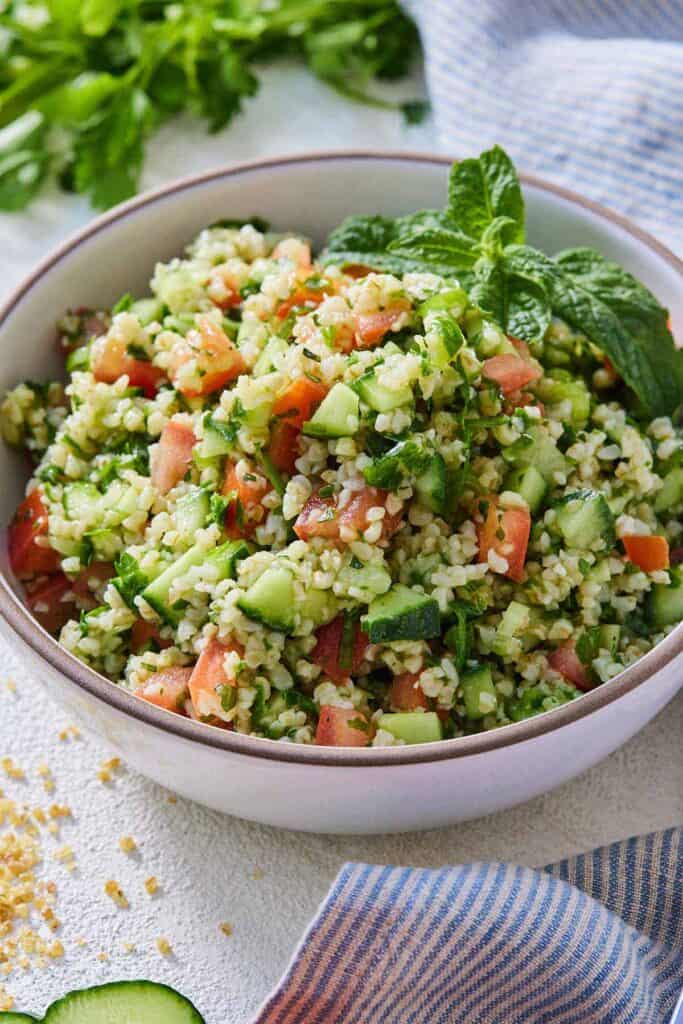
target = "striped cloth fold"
x: 597, y: 939
x: 588, y: 93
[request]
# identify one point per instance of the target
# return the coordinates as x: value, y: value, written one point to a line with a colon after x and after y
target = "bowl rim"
x: 44, y: 646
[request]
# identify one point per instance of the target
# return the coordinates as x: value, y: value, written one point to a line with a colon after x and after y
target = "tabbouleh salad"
x: 424, y: 485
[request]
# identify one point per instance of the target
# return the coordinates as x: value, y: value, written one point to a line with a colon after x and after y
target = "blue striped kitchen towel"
x: 597, y: 939
x: 588, y: 93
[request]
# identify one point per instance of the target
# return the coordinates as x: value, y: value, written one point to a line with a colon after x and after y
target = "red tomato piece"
x: 208, y: 674
x: 510, y: 372
x: 27, y: 556
x: 223, y: 289
x: 321, y: 518
x: 566, y: 661
x: 318, y: 518
x: 335, y: 728
x: 91, y: 579
x: 308, y: 298
x: 371, y: 327
x: 167, y: 689
x: 143, y: 633
x: 52, y: 602
x: 283, y: 448
x: 357, y: 270
x: 300, y: 252
x: 355, y: 514
x: 218, y: 361
x: 172, y: 457
x: 327, y: 650
x: 245, y: 511
x: 291, y: 410
x: 109, y: 360
x: 649, y: 553
x: 405, y: 695
x: 507, y: 534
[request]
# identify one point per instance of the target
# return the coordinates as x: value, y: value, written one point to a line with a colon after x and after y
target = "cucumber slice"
x: 271, y: 599
x: 219, y: 439
x: 378, y: 397
x: 479, y: 693
x: 402, y: 614
x: 431, y: 486
x: 82, y: 500
x: 121, y: 1001
x: 665, y: 601
x: 320, y: 606
x: 453, y: 301
x: 583, y: 518
x: 336, y: 416
x: 608, y: 639
x: 671, y: 494
x: 224, y: 557
x: 529, y: 484
x: 554, y: 391
x: 514, y: 621
x: 413, y: 726
x: 79, y: 359
x: 192, y: 511
x: 264, y: 364
x: 147, y: 310
x: 537, y: 448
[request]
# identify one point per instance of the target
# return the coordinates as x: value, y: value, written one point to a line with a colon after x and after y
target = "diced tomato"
x: 510, y: 372
x: 172, y: 457
x: 109, y: 360
x: 144, y: 633
x: 371, y: 327
x: 292, y: 409
x: 299, y: 401
x: 52, y: 602
x: 303, y: 296
x: 566, y: 661
x: 335, y: 728
x: 218, y: 361
x: 521, y: 400
x: 610, y: 370
x: 208, y: 674
x: 649, y: 553
x: 506, y: 533
x: 247, y: 490
x: 91, y: 579
x: 357, y: 270
x: 223, y: 289
x: 30, y: 525
x: 327, y: 650
x: 355, y: 514
x: 167, y: 689
x: 321, y: 518
x: 318, y: 518
x: 405, y: 694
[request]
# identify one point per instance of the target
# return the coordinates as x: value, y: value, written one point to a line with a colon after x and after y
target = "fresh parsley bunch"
x: 480, y: 238
x: 84, y: 83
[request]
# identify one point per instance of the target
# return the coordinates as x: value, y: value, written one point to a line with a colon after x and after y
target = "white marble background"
x: 213, y: 869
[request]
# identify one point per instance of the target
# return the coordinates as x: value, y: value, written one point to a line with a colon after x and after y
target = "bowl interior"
x: 312, y: 195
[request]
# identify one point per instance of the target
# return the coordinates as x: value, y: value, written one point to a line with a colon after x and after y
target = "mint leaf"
x: 442, y: 250
x: 367, y: 241
x: 520, y: 304
x: 618, y: 314
x: 484, y: 188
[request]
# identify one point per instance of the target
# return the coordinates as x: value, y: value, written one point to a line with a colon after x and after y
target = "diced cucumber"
x: 265, y: 364
x: 192, y: 511
x: 421, y: 567
x: 379, y: 397
x: 147, y: 310
x: 554, y: 390
x: 479, y: 693
x: 402, y: 614
x: 514, y: 621
x: 609, y: 638
x: 79, y: 359
x: 218, y: 439
x: 336, y: 416
x: 320, y: 606
x: 671, y: 494
x: 583, y: 518
x: 665, y: 601
x: 537, y: 448
x: 453, y: 301
x: 270, y: 600
x: 413, y: 726
x: 431, y: 486
x: 82, y: 500
x: 529, y: 484
x: 224, y: 558
x: 367, y: 580
x: 122, y: 1001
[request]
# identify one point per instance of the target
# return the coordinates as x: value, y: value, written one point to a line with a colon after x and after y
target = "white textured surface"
x: 206, y: 863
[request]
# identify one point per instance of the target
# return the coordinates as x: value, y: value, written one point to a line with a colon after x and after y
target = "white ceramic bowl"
x: 316, y: 788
